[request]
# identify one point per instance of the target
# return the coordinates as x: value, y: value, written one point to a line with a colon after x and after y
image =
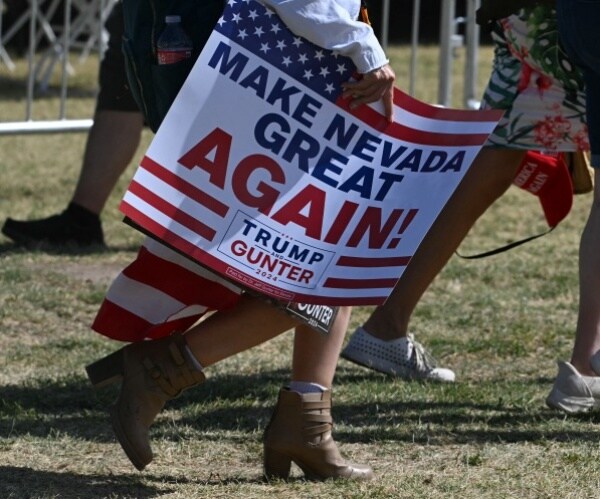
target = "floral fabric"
x: 535, y: 82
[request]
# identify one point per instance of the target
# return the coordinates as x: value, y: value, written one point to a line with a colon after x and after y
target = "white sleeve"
x: 332, y: 25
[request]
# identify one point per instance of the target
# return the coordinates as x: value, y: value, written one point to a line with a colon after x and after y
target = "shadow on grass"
x: 27, y: 482
x: 244, y: 404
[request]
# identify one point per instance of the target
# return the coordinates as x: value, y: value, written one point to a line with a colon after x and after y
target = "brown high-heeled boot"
x: 153, y: 372
x: 300, y: 431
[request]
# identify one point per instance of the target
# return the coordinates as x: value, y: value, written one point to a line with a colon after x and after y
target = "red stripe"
x: 184, y: 187
x: 178, y: 282
x: 117, y: 323
x: 377, y: 121
x: 172, y: 211
x: 356, y: 261
x: 420, y: 108
x: 335, y: 282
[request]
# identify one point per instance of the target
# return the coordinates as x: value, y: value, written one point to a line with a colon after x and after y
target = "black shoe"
x: 75, y: 226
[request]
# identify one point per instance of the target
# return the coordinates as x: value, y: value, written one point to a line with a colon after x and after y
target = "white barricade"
x: 83, y: 30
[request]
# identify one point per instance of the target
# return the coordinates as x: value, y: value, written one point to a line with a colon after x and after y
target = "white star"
x: 329, y: 88
x: 286, y: 61
x: 231, y: 2
x: 221, y: 21
x: 319, y: 55
x: 307, y: 74
x: 281, y: 44
x: 275, y: 28
x: 253, y: 15
x: 302, y: 58
x: 297, y: 41
x: 335, y: 54
x: 341, y: 68
x: 236, y: 18
x: 269, y: 13
x: 259, y: 31
x: 324, y: 72
x: 242, y: 34
x: 264, y: 47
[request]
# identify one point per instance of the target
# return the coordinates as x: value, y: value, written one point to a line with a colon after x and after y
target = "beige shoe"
x: 572, y: 392
x: 300, y: 431
x: 153, y: 372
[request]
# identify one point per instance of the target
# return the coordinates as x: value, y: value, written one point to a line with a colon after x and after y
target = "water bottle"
x: 173, y: 44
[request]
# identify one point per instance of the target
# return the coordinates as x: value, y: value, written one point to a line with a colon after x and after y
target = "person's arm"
x: 332, y: 25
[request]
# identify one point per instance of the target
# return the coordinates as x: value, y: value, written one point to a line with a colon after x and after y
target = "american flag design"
x: 259, y: 30
x: 263, y: 174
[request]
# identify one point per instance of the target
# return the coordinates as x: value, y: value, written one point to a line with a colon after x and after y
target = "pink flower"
x: 581, y: 139
x: 551, y: 131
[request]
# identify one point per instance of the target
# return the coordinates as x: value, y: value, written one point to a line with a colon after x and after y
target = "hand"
x: 374, y: 85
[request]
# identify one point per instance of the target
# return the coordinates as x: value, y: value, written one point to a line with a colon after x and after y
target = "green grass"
x: 500, y: 323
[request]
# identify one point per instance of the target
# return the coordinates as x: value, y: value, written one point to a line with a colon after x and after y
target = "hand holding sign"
x: 373, y: 86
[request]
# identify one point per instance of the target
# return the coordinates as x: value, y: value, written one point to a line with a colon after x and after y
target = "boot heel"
x: 277, y: 465
x: 107, y: 370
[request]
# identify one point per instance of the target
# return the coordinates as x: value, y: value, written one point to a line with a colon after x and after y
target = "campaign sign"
x: 262, y: 173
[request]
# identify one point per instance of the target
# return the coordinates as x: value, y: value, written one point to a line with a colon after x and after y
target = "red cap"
x: 547, y: 176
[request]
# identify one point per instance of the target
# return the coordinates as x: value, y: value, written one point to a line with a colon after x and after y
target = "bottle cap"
x: 172, y: 19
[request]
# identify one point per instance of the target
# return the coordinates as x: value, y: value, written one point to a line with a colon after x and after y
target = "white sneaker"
x: 404, y: 357
x: 572, y: 392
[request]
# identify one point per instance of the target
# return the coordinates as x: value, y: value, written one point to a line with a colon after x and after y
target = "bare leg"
x: 587, y: 340
x: 251, y: 322
x: 489, y: 177
x: 111, y: 144
x: 316, y: 354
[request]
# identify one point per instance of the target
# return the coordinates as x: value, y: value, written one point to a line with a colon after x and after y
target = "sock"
x: 306, y: 387
x: 193, y: 358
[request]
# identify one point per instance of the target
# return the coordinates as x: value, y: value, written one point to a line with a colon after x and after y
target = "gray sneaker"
x: 572, y: 392
x: 404, y: 358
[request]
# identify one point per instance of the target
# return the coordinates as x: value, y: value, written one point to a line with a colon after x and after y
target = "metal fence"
x: 84, y: 32
x: 81, y: 29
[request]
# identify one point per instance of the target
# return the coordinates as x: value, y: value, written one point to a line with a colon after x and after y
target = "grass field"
x: 500, y: 323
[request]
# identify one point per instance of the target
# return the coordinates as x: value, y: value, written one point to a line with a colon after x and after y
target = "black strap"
x: 504, y: 248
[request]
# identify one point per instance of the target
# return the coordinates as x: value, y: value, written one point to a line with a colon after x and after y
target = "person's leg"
x: 577, y: 385
x: 490, y: 175
x: 153, y: 372
x: 587, y: 337
x: 300, y: 429
x: 225, y: 333
x: 316, y: 354
x: 111, y: 144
